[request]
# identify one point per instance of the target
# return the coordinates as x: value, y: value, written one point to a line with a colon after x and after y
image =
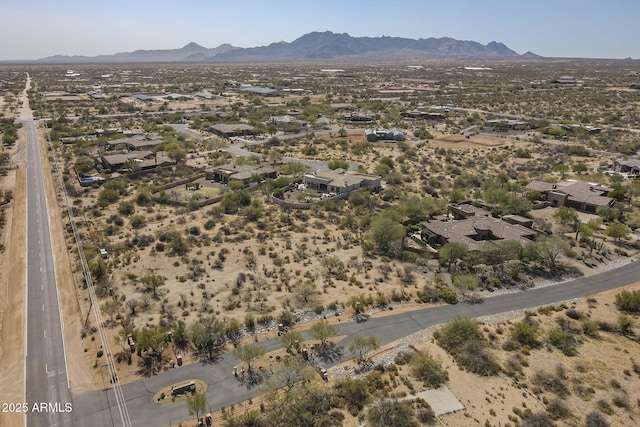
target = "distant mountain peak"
x: 530, y: 55
x: 193, y: 45
x: 315, y: 46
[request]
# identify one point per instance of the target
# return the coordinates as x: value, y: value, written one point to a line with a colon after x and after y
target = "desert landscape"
x: 210, y: 224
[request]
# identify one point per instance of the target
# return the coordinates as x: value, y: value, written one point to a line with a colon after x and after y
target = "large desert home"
x: 630, y: 166
x: 340, y: 181
x: 580, y: 195
x: 476, y: 229
x: 244, y: 173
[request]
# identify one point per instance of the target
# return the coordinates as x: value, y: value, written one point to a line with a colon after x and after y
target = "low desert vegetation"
x: 196, y: 268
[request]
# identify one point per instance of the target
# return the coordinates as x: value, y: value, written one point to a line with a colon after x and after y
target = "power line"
x: 117, y: 388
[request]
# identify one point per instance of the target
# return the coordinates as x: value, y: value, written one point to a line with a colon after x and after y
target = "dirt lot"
x: 604, y: 364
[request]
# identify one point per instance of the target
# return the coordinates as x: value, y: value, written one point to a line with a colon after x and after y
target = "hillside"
x: 312, y: 47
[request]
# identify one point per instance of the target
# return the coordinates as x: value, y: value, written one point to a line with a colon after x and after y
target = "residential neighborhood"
x: 283, y: 242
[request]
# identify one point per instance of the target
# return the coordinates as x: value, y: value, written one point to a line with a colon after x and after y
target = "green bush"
x: 138, y: 221
x: 563, y: 341
x: 525, y: 333
x: 428, y: 369
x: 628, y: 301
x: 447, y: 295
x: 457, y: 332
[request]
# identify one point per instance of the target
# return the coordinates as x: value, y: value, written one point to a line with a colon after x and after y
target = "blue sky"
x: 566, y: 28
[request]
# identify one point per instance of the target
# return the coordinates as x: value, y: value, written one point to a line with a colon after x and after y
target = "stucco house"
x: 227, y: 130
x: 243, y: 173
x: 340, y: 181
x: 580, y: 195
x: 630, y: 166
x: 475, y: 228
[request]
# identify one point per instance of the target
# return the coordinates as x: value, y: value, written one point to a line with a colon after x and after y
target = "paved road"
x: 224, y: 390
x: 46, y: 372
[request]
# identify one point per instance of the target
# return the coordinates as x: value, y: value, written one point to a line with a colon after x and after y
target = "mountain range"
x: 315, y: 46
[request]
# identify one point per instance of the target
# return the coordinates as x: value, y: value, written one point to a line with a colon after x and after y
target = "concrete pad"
x: 441, y: 399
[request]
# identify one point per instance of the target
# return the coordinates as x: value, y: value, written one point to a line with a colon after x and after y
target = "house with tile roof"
x: 475, y: 228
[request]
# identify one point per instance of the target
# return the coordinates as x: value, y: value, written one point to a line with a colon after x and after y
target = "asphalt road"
x: 47, y: 387
x: 94, y: 408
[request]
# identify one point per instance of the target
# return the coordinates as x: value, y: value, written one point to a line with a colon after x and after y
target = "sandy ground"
x: 599, y: 362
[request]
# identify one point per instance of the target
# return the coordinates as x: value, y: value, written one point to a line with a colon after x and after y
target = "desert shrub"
x: 538, y: 419
x: 554, y: 383
x: 426, y: 416
x: 402, y: 358
x: 513, y: 365
x: 525, y: 333
x: 107, y: 197
x: 427, y: 295
x: 563, y: 341
x: 116, y: 220
x: 574, y: 150
x: 477, y: 358
x: 428, y: 369
x: 590, y: 327
x: 628, y: 301
x: 621, y: 401
x: 234, y: 200
x: 457, y: 332
x: 391, y: 413
x: 557, y: 409
x: 604, y: 407
x: 447, y: 295
x: 353, y: 392
x: 287, y: 318
x: 142, y: 240
x: 574, y: 314
x: 584, y: 392
x: 595, y: 419
x: 178, y: 244
x: 376, y: 382
x: 338, y: 164
x: 625, y: 323
x: 126, y: 208
x: 138, y: 221
x: 463, y: 339
x: 607, y: 326
x: 144, y: 198
x: 568, y: 326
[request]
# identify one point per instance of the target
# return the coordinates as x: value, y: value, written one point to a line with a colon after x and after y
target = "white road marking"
x: 46, y: 370
x: 42, y: 307
x: 45, y: 332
